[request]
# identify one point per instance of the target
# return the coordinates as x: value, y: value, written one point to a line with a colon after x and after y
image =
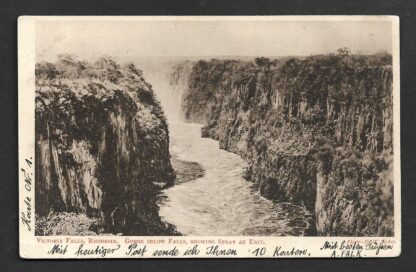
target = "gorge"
x: 285, y: 146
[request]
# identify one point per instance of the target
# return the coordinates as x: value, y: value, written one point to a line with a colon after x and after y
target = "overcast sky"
x: 90, y: 39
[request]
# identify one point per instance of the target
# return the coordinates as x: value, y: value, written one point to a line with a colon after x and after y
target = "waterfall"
x: 169, y: 80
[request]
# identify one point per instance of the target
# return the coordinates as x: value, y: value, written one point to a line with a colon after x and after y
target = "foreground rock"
x: 102, y: 146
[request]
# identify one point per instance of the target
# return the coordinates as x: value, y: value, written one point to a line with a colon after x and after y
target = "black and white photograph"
x: 198, y: 133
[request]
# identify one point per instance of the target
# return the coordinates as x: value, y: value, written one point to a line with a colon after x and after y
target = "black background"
x: 10, y: 10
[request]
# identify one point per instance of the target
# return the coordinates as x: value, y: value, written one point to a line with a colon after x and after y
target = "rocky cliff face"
x: 315, y: 131
x: 102, y: 145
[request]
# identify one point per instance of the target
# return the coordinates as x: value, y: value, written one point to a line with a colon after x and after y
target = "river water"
x: 220, y: 202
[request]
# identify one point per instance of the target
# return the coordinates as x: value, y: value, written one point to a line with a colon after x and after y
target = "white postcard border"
x: 269, y: 247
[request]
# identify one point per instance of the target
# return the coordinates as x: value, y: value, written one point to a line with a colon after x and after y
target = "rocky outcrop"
x: 315, y: 131
x: 102, y: 145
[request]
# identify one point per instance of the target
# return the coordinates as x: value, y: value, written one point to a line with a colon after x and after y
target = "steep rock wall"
x: 315, y: 131
x: 102, y: 145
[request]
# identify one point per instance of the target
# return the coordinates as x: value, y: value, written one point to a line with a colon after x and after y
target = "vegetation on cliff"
x: 102, y: 145
x: 315, y: 131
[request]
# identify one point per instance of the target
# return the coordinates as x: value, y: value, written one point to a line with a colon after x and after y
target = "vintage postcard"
x: 209, y: 137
